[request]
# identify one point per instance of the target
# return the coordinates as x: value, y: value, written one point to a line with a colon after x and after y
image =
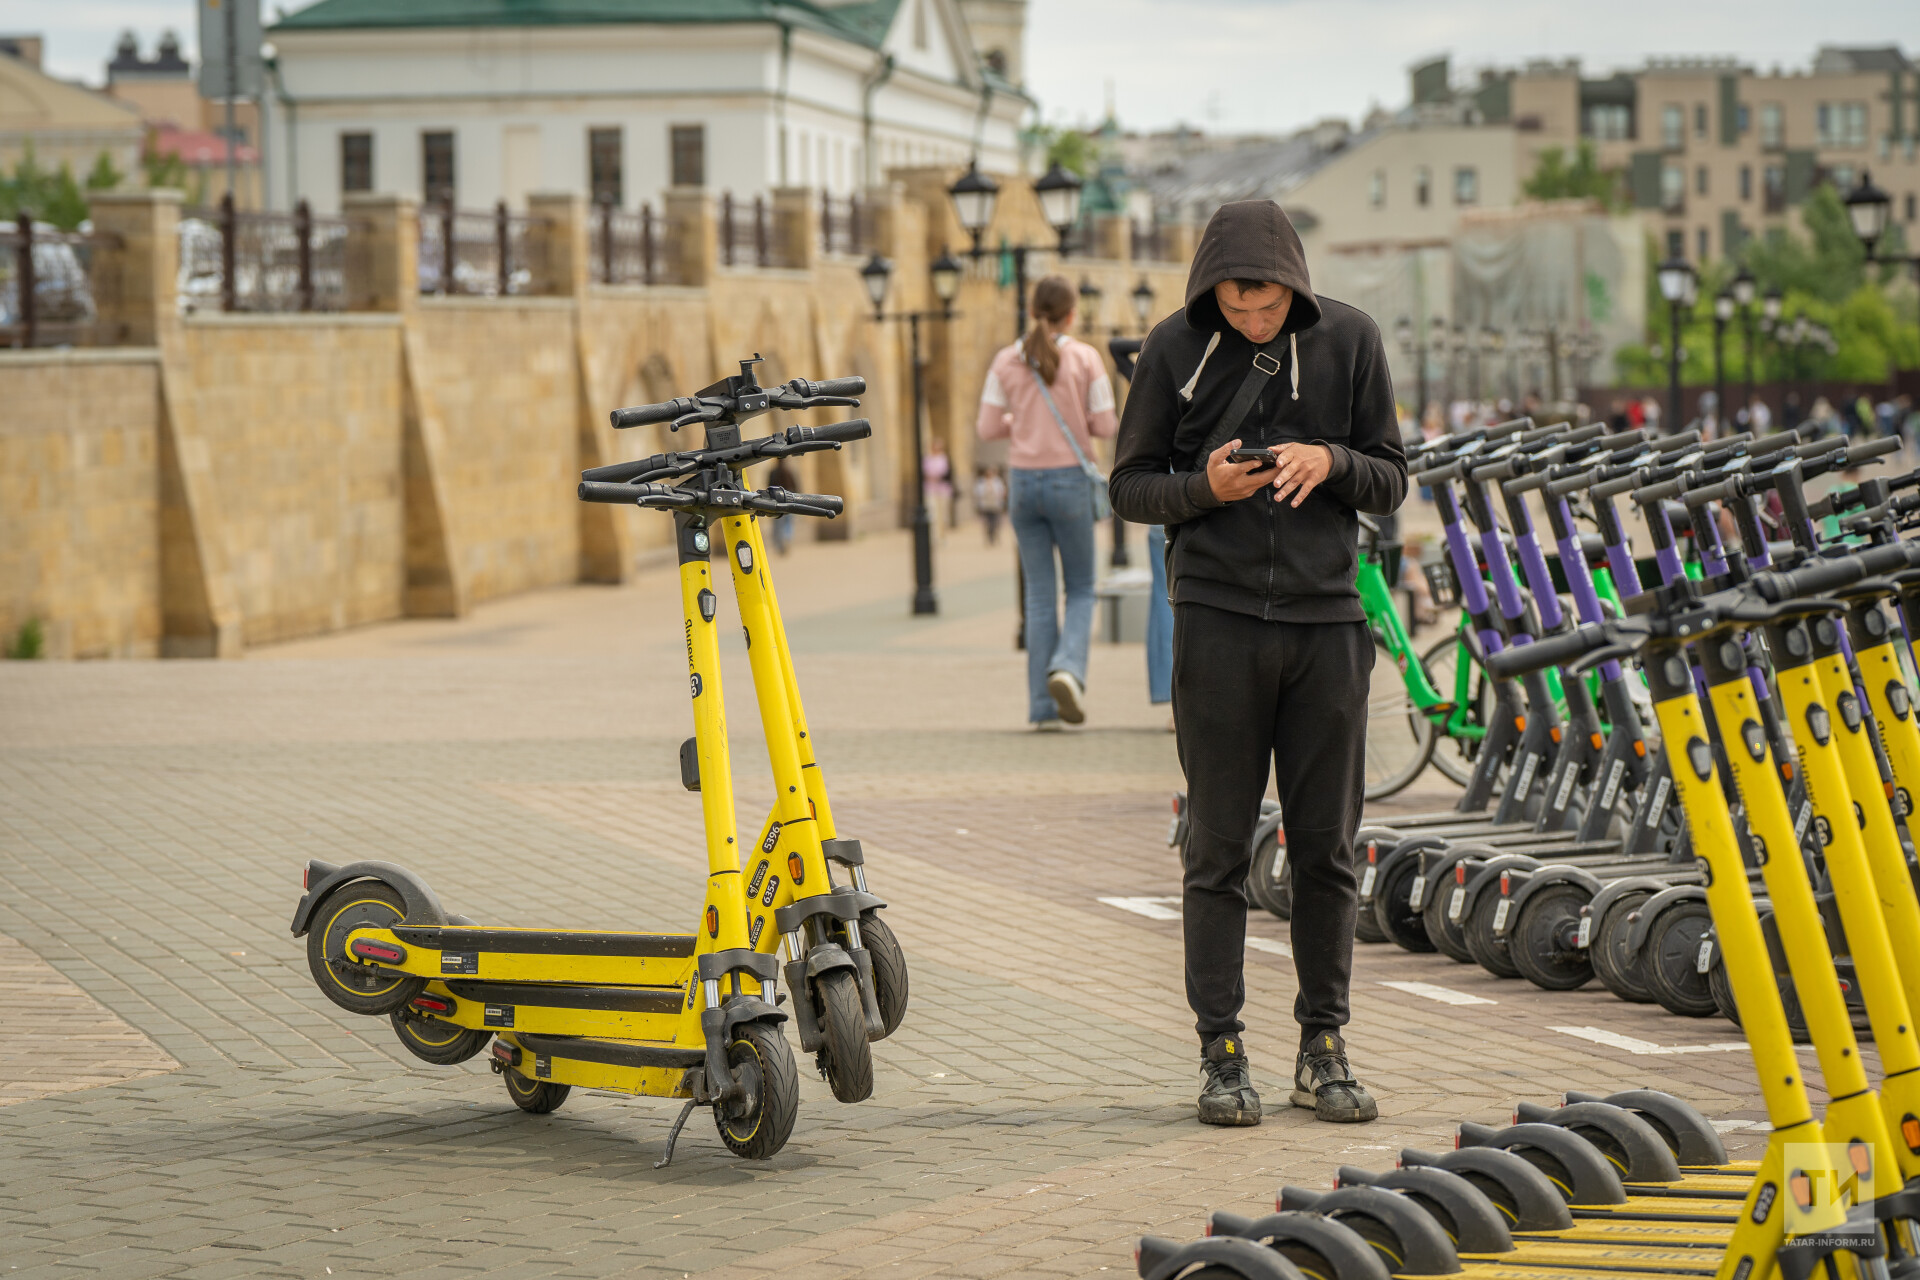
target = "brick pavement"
x: 1032, y: 1116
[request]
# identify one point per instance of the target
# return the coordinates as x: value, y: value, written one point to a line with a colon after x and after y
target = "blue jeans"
x: 1053, y: 509
x: 1159, y: 621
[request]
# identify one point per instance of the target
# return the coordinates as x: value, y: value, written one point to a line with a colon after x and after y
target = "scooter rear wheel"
x: 1670, y: 959
x: 1614, y: 962
x: 1442, y: 931
x: 1488, y: 949
x: 535, y: 1097
x: 440, y: 1043
x: 889, y: 969
x: 1542, y: 939
x: 356, y: 987
x: 760, y: 1124
x: 844, y: 1058
x: 1393, y: 908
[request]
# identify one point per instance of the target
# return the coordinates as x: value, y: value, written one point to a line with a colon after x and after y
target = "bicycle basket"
x: 1442, y: 585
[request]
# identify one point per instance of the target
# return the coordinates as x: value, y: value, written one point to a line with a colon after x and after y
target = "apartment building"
x: 1716, y: 151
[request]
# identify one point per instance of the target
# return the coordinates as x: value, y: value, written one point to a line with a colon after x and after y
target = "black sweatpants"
x: 1245, y: 692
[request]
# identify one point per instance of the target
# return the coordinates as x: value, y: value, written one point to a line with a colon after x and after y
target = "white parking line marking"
x: 1445, y: 995
x: 1169, y: 909
x: 1151, y: 908
x: 1614, y: 1040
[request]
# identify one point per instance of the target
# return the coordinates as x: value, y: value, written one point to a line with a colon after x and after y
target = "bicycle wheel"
x: 1399, y: 738
x: 1454, y: 757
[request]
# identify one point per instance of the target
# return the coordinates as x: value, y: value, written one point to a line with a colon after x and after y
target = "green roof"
x: 865, y: 23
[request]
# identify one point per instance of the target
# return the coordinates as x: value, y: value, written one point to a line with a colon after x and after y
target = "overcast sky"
x: 1239, y: 65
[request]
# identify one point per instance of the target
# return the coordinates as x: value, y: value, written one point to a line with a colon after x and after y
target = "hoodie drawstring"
x: 1293, y: 350
x: 1186, y: 392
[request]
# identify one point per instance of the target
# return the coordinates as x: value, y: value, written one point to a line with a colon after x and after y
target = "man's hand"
x: 1302, y: 468
x: 1232, y: 481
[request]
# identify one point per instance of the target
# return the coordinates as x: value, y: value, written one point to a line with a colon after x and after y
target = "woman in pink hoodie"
x: 1048, y: 395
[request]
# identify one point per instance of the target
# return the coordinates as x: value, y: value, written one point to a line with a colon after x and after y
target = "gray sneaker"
x: 1228, y: 1096
x: 1067, y: 696
x: 1323, y: 1081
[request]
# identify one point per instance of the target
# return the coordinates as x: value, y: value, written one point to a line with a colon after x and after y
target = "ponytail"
x: 1053, y: 302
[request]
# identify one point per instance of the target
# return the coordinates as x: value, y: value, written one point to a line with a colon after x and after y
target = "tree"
x: 1555, y: 179
x: 1829, y: 264
x: 103, y: 176
x: 1071, y: 149
x: 45, y: 195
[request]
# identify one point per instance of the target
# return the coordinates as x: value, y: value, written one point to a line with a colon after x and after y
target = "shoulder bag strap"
x: 1073, y: 443
x: 1264, y: 367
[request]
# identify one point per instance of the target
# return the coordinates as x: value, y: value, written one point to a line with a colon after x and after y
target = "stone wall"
x: 246, y: 479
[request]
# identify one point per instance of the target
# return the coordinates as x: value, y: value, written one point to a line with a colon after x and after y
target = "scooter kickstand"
x: 673, y: 1134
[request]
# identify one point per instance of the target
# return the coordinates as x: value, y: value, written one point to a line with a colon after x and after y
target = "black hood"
x: 1249, y: 240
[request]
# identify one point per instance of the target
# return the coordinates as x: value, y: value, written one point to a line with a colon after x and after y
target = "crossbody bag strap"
x: 1073, y: 443
x: 1264, y: 367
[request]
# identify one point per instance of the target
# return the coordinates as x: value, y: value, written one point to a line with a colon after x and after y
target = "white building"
x: 620, y: 99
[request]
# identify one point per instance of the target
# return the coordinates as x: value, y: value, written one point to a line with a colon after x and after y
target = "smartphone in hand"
x: 1262, y: 456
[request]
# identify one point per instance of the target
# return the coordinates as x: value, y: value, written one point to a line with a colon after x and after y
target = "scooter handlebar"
x: 1548, y: 652
x: 833, y: 432
x: 642, y: 414
x: 852, y: 386
x: 643, y: 495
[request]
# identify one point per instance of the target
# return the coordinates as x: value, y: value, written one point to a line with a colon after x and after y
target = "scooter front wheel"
x: 535, y: 1097
x: 356, y: 987
x: 758, y: 1125
x: 889, y: 969
x: 440, y: 1043
x: 844, y: 1058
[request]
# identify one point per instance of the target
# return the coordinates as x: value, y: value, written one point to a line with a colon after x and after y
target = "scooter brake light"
x: 1459, y: 873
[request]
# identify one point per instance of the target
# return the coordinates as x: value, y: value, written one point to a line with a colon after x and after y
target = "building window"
x: 1841, y: 176
x: 1841, y: 124
x: 1773, y: 126
x: 1700, y: 239
x: 1700, y: 180
x: 1673, y: 188
x: 1910, y: 204
x: 356, y: 162
x: 1699, y: 119
x: 1423, y: 186
x: 1466, y: 185
x: 1742, y: 119
x: 1609, y: 122
x: 605, y: 170
x: 1676, y: 243
x: 1673, y: 127
x: 436, y: 167
x: 1774, y: 185
x: 1746, y: 182
x: 688, y: 144
x: 1377, y: 188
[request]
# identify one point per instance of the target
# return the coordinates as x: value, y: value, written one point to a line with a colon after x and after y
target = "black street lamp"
x: 945, y: 275
x: 974, y: 197
x: 1090, y: 294
x: 1142, y: 297
x: 1723, y: 306
x: 1868, y: 208
x: 1417, y: 341
x: 1743, y: 288
x: 1678, y: 280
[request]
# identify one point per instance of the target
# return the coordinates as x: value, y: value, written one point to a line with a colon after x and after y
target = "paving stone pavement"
x: 196, y: 1108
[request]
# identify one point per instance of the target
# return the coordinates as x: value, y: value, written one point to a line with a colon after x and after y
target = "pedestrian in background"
x: 936, y: 473
x: 1048, y: 396
x: 990, y: 499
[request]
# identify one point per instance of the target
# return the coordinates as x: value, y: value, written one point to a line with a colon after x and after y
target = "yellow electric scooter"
x: 680, y: 1015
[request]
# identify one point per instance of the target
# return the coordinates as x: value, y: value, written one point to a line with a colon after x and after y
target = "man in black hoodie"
x: 1271, y: 652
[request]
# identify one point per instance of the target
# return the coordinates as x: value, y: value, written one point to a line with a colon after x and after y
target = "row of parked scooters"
x: 1787, y: 894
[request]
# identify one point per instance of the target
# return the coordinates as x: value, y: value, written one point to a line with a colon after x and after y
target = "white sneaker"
x: 1048, y: 726
x: 1067, y: 694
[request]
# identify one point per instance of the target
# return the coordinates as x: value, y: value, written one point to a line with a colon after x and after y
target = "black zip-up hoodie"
x: 1256, y: 556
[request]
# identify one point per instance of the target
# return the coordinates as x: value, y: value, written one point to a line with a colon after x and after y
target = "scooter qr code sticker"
x: 1366, y: 882
x: 1585, y: 939
x: 1455, y: 904
x: 1418, y: 897
x: 1500, y: 914
x: 1704, y: 961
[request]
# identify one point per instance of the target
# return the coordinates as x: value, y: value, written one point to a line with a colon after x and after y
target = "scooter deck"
x: 1584, y: 1269
x: 1663, y: 1209
x: 1699, y: 1186
x: 1683, y: 1259
x: 599, y: 958
x: 1626, y: 1231
x: 560, y: 1009
x: 649, y: 1070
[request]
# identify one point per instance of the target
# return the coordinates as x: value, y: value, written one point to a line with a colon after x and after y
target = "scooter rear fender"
x: 423, y: 908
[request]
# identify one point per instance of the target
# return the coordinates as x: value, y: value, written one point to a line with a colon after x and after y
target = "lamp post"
x: 1089, y: 304
x: 1142, y: 298
x: 1723, y: 305
x: 945, y: 276
x: 1678, y: 280
x: 974, y: 196
x: 1868, y: 208
x: 1743, y: 289
x: 1417, y: 341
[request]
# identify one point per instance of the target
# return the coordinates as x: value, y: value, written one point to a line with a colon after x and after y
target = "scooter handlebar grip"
x: 1441, y: 474
x: 1660, y: 492
x: 1819, y: 448
x: 837, y: 432
x: 1674, y: 443
x: 1507, y: 428
x: 641, y: 414
x: 1615, y: 487
x: 1636, y: 436
x: 853, y: 386
x: 1569, y: 484
x: 1872, y: 449
x: 620, y: 472
x: 1549, y: 652
x: 1767, y: 446
x: 1812, y: 580
x: 1723, y: 491
x: 1504, y: 469
x: 607, y: 491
